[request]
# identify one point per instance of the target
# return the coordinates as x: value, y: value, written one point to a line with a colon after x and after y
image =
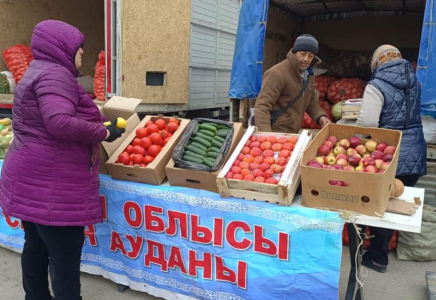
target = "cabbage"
x: 337, y: 110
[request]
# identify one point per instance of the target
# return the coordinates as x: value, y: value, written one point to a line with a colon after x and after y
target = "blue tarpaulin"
x: 426, y: 72
x: 247, y: 67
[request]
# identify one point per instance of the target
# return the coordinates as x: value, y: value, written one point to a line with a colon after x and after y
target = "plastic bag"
x: 180, y: 147
x: 99, y: 77
x: 429, y: 129
x: 17, y: 60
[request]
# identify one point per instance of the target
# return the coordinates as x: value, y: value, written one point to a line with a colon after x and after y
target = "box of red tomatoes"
x: 143, y: 155
x: 264, y: 167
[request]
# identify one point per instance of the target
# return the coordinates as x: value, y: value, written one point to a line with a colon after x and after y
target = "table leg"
x: 353, y: 291
x: 122, y: 288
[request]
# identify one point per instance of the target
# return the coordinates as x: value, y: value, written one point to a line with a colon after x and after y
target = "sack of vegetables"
x: 204, y: 145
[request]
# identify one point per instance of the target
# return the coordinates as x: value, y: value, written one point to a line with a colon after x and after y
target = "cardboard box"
x: 351, y: 109
x: 282, y: 193
x: 200, y: 179
x: 114, y: 108
x: 367, y: 193
x: 154, y: 173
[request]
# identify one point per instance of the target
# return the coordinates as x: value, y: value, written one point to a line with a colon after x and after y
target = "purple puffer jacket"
x: 50, y: 173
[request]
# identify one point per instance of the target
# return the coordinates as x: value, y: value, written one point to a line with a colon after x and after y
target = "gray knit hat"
x: 306, y: 42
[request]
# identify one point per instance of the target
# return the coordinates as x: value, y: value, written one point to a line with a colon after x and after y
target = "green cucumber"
x: 199, y: 146
x: 212, y: 154
x: 208, y: 162
x: 196, y: 129
x: 202, y: 141
x: 214, y: 149
x: 219, y: 139
x: 193, y: 154
x: 207, y: 132
x: 208, y: 127
x: 194, y: 149
x: 222, y: 133
x: 206, y: 137
x: 211, y: 124
x: 192, y: 159
x: 217, y: 144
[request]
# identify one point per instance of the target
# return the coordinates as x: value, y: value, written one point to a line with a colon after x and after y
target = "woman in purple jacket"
x: 50, y: 173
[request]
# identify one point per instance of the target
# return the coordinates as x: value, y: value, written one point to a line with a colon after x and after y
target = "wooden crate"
x: 283, y: 193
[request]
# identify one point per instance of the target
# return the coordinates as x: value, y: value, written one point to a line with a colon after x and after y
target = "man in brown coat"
x: 283, y: 82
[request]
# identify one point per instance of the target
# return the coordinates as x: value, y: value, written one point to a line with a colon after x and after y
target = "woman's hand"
x: 323, y: 121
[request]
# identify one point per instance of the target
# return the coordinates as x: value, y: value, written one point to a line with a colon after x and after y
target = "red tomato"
x: 131, y: 163
x: 173, y: 120
x: 124, y: 158
x: 148, y: 159
x: 154, y: 150
x: 145, y: 142
x: 156, y: 139
x: 142, y: 165
x: 160, y: 123
x: 136, y: 142
x: 137, y: 159
x: 152, y: 128
x: 149, y: 123
x: 171, y: 127
x: 138, y: 150
x: 129, y: 149
x: 164, y: 134
x: 141, y: 132
x: 165, y: 141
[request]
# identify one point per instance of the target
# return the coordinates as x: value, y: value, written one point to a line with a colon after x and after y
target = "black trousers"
x: 53, y: 248
x: 379, y: 249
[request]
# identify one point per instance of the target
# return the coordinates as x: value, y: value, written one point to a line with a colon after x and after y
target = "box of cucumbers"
x: 204, y: 145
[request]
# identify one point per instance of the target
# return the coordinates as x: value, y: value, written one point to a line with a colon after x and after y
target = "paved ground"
x: 404, y: 281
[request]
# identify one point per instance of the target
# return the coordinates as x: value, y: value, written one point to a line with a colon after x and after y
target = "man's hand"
x: 323, y: 121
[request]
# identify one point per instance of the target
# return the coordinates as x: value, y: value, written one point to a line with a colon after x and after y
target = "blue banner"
x: 169, y: 240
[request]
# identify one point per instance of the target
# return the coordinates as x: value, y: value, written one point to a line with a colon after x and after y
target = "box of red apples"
x: 350, y: 168
x: 265, y: 166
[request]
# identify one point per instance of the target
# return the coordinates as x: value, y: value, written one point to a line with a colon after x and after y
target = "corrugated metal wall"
x: 213, y: 34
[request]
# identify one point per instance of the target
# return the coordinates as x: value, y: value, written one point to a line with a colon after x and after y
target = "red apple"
x: 385, y: 165
x: 371, y: 145
x: 381, y: 147
x: 377, y: 154
x: 332, y: 139
x: 345, y: 183
x: 359, y: 168
x: 338, y: 167
x: 388, y: 157
x: 333, y: 182
x: 355, y: 141
x: 354, y: 160
x: 328, y: 144
x: 370, y: 169
x: 378, y: 163
x: 323, y: 150
x: 341, y: 155
x: 343, y: 162
x: 340, y: 183
x: 344, y: 143
x: 351, y: 151
x: 349, y: 168
x: 319, y: 160
x: 361, y: 149
x: 368, y: 161
x: 390, y: 150
x: 330, y: 159
x: 339, y: 149
x: 366, y: 155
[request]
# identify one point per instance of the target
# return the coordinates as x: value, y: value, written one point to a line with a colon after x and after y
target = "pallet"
x: 431, y: 152
x: 283, y: 193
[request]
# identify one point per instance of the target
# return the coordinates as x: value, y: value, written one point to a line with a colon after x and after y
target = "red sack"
x: 99, y: 77
x: 322, y: 84
x: 17, y: 60
x: 367, y: 243
x: 308, y: 123
x: 346, y: 88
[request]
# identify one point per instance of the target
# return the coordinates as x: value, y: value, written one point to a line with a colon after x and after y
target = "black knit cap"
x: 306, y: 42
